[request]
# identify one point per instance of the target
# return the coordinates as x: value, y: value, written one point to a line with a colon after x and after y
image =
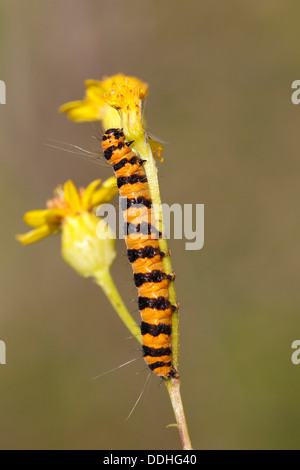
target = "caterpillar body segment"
x: 143, y: 252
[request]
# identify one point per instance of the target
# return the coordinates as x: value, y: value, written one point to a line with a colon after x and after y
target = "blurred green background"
x: 220, y: 77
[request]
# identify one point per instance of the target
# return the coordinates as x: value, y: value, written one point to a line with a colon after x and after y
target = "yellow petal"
x: 71, y: 196
x: 95, y: 92
x: 36, y: 234
x: 105, y: 193
x: 88, y: 193
x: 40, y: 217
x: 80, y: 111
x: 90, y: 108
x: 35, y: 218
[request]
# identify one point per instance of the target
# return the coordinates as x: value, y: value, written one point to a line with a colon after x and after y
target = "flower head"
x: 72, y: 212
x: 127, y: 94
x: 118, y: 102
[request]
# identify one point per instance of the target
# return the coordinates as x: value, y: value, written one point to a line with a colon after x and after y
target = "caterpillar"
x: 143, y: 253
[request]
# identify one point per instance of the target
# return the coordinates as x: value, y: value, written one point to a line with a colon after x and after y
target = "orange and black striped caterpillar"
x: 143, y: 253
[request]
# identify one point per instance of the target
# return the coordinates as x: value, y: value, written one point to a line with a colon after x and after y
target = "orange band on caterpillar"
x: 143, y: 253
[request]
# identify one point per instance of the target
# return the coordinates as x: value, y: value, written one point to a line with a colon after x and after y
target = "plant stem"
x: 107, y: 284
x: 144, y: 150
x: 173, y: 386
x: 142, y: 147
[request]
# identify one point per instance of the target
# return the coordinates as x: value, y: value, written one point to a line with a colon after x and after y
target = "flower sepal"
x: 83, y: 249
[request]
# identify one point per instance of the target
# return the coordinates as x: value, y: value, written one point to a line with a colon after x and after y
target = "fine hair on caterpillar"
x: 95, y: 157
x: 115, y: 368
x: 145, y: 388
x: 144, y: 254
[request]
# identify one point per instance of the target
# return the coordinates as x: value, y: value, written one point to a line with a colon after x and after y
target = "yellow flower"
x: 118, y: 102
x: 72, y: 212
x: 104, y: 98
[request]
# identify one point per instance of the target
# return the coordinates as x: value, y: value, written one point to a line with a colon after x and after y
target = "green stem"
x: 142, y: 147
x: 106, y: 282
x: 173, y: 386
